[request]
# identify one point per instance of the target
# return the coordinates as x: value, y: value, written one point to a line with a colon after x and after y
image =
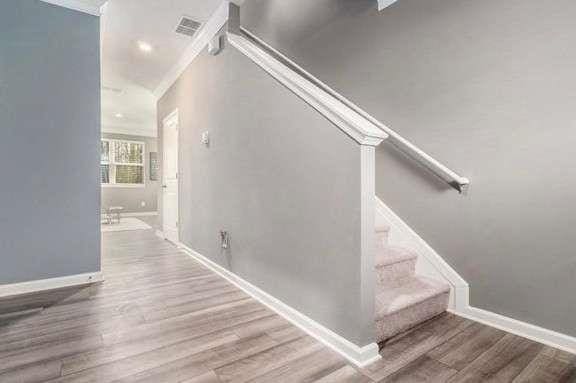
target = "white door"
x: 170, y: 177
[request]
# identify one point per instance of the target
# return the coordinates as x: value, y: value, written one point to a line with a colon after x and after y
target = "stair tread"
x: 414, y: 291
x: 388, y: 255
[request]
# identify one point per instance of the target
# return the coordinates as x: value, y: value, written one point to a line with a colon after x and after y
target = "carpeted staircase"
x: 403, y: 299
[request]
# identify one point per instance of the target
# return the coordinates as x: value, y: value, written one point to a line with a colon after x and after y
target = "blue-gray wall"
x: 49, y: 141
x: 489, y: 88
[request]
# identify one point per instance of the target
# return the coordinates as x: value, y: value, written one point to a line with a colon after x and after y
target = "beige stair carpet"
x: 403, y: 299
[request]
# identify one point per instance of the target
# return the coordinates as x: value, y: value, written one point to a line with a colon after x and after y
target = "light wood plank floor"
x: 161, y: 317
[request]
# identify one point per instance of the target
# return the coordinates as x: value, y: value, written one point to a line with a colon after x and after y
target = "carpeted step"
x: 408, y: 305
x: 394, y: 266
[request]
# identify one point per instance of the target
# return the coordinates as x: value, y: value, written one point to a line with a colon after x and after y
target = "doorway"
x: 170, y: 216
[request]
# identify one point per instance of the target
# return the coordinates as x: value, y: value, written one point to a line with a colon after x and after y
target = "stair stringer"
x: 430, y: 263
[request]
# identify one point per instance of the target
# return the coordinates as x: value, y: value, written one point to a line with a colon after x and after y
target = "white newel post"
x: 367, y: 238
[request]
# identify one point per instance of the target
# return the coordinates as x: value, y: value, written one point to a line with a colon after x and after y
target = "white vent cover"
x: 187, y: 26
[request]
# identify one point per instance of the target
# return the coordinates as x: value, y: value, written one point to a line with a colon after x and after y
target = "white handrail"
x: 251, y: 42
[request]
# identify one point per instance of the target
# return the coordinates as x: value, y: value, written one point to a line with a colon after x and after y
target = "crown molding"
x: 77, y: 5
x: 203, y: 37
x: 129, y: 131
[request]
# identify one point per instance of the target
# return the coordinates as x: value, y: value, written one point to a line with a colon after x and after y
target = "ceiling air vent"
x: 187, y: 26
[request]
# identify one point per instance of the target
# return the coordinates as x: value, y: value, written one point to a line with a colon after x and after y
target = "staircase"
x: 403, y: 299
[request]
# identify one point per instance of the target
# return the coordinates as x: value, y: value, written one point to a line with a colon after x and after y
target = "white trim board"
x: 535, y: 333
x: 208, y: 30
x: 49, y: 284
x: 429, y: 263
x: 77, y: 5
x: 385, y: 3
x: 359, y: 356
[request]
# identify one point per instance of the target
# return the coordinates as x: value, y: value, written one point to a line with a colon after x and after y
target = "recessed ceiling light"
x: 144, y: 46
x: 119, y: 115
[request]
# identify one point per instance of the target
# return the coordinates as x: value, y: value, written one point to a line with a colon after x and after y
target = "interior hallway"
x: 162, y: 317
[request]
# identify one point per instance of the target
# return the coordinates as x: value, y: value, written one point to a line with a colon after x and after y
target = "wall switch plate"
x: 143, y: 203
x: 206, y: 138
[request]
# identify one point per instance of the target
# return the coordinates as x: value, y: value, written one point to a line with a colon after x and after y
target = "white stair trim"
x: 359, y: 356
x: 385, y: 3
x: 429, y: 263
x: 77, y: 5
x: 201, y: 39
x: 49, y: 284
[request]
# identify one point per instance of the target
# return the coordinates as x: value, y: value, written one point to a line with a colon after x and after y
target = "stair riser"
x: 405, y: 319
x: 391, y: 276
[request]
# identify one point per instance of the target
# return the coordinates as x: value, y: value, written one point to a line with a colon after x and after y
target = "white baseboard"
x: 49, y: 284
x: 538, y: 334
x: 359, y: 356
x: 141, y: 214
x: 429, y: 263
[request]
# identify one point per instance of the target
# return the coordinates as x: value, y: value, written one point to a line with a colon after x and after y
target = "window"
x: 121, y: 163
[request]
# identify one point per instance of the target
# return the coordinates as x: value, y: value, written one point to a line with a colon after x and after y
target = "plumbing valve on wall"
x: 225, y: 239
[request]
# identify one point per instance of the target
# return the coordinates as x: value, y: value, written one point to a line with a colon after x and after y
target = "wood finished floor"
x: 161, y: 317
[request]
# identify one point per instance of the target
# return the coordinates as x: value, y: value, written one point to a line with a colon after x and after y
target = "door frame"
x: 172, y: 118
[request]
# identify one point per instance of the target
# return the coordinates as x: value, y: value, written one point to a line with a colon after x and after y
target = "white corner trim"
x: 347, y: 119
x: 359, y: 356
x: 49, y: 284
x: 141, y: 214
x: 430, y: 263
x: 202, y: 38
x: 77, y: 5
x: 538, y: 334
x: 385, y: 3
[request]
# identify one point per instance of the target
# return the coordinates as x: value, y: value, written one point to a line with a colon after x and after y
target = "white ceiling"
x: 132, y: 74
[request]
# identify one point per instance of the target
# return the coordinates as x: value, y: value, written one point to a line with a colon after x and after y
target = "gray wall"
x: 489, y: 88
x: 49, y: 142
x: 129, y: 197
x: 280, y: 178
